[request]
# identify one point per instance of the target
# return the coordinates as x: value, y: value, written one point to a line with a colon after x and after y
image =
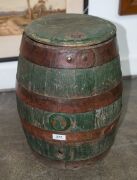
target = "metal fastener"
x: 69, y: 59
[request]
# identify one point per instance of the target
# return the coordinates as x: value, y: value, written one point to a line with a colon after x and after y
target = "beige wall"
x: 9, y: 46
x: 75, y: 6
x: 13, y: 5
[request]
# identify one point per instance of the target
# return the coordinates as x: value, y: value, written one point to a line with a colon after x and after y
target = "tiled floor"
x: 17, y: 162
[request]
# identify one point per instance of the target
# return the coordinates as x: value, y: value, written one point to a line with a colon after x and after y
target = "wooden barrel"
x: 69, y: 87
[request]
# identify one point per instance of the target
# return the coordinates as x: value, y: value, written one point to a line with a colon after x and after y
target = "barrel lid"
x: 70, y: 30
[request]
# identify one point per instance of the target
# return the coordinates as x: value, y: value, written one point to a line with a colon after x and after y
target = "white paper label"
x: 59, y: 137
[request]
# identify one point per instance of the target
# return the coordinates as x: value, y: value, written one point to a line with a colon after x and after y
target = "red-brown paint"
x: 66, y: 57
x: 80, y: 105
x: 46, y: 135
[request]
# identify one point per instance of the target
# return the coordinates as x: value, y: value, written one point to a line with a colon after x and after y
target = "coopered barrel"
x: 69, y: 87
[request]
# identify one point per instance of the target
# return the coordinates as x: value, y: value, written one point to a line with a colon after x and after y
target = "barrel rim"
x: 104, y: 30
x: 56, y: 57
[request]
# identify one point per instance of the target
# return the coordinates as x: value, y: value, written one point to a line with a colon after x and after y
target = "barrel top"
x: 70, y: 30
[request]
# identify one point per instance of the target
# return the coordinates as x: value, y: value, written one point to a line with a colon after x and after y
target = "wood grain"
x: 71, y: 152
x: 79, y: 122
x: 73, y: 137
x: 69, y: 105
x: 69, y: 86
x: 68, y: 83
x: 56, y: 57
x: 128, y: 7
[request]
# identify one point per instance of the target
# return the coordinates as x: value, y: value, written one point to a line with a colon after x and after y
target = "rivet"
x: 69, y: 59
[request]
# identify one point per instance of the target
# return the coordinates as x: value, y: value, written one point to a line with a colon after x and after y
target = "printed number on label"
x: 59, y: 137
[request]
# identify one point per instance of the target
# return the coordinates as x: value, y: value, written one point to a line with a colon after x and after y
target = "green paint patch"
x: 75, y: 152
x: 68, y: 83
x: 70, y: 122
x: 70, y: 30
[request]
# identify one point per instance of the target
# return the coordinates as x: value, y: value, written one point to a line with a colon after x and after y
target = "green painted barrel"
x: 69, y: 88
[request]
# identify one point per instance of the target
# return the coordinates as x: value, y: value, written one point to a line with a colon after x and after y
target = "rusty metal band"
x: 66, y: 57
x: 46, y: 135
x: 80, y: 105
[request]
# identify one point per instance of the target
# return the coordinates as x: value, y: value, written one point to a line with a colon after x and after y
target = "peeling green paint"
x: 69, y: 83
x: 74, y: 122
x: 70, y: 30
x: 73, y: 152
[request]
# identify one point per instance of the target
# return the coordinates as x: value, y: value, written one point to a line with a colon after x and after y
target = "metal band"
x: 66, y: 57
x: 69, y: 105
x: 71, y: 151
x: 70, y: 137
x: 69, y: 122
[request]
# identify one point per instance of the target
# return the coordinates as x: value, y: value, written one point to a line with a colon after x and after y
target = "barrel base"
x: 72, y: 165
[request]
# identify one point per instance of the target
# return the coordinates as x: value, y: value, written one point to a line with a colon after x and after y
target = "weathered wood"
x: 69, y: 105
x: 70, y: 30
x: 73, y: 152
x: 79, y: 122
x: 68, y: 83
x: 75, y: 165
x: 69, y: 87
x: 73, y: 137
x: 56, y: 57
